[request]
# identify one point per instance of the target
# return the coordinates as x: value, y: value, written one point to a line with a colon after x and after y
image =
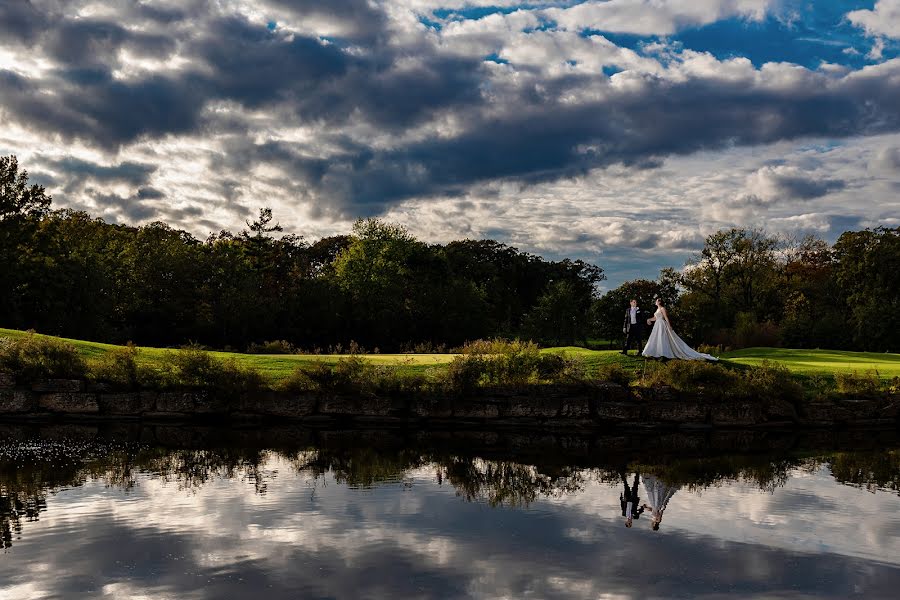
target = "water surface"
x: 200, y: 513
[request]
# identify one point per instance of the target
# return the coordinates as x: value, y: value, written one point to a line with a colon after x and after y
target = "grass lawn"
x: 273, y: 366
x: 820, y: 362
x: 278, y: 366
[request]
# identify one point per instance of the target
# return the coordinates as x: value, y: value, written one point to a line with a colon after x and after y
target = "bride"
x: 665, y: 343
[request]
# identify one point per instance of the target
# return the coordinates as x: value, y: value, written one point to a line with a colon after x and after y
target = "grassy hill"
x: 821, y: 362
x: 277, y: 367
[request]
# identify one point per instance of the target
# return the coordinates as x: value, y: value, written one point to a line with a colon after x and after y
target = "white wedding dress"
x: 665, y: 343
x: 658, y: 495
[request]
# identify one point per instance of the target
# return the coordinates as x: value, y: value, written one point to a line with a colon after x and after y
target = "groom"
x: 633, y: 328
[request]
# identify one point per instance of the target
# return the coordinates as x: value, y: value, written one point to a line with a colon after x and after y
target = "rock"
x: 79, y: 403
x: 280, y: 404
x: 531, y: 407
x: 7, y: 381
x: 431, y: 407
x: 660, y: 393
x: 132, y: 403
x: 736, y: 413
x: 618, y: 411
x: 610, y: 392
x: 356, y: 405
x: 677, y: 412
x: 826, y: 413
x: 59, y: 386
x: 16, y: 401
x: 475, y: 408
x: 780, y: 410
x: 192, y: 402
x: 578, y: 407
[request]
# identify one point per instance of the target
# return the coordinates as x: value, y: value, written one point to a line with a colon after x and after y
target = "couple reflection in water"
x: 658, y: 495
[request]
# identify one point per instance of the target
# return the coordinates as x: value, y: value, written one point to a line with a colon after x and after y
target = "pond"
x: 130, y: 511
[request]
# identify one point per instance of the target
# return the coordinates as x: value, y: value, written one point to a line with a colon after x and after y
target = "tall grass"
x: 31, y: 358
x: 509, y: 363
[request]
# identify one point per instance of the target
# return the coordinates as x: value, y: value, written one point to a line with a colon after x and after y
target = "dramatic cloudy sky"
x: 618, y: 131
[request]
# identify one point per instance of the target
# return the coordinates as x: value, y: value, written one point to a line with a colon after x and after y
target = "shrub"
x: 352, y: 373
x: 273, y: 347
x: 194, y: 367
x: 768, y: 381
x: 690, y: 375
x: 771, y: 381
x: 33, y: 357
x: 865, y: 384
x: 501, y: 362
x: 748, y: 332
x: 614, y: 373
x: 120, y: 368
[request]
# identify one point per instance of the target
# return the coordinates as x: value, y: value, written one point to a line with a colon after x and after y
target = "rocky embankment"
x: 539, y: 406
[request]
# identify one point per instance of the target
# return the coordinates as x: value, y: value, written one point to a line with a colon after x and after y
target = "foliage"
x: 273, y: 347
x: 32, y: 358
x: 193, y: 367
x: 120, y: 367
x: 868, y: 272
x: 352, y: 373
x: 614, y: 373
x: 858, y: 384
x: 508, y: 363
x: 768, y: 381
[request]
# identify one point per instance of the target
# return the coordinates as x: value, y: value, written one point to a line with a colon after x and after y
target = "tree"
x: 18, y: 199
x: 868, y: 273
x: 559, y: 317
x: 22, y: 206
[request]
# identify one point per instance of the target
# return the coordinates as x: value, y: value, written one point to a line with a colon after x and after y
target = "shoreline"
x: 550, y: 407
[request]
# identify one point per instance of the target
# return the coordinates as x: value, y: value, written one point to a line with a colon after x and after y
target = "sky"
x: 621, y: 132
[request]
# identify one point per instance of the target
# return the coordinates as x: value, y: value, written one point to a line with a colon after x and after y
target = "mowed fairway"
x: 820, y: 362
x: 276, y: 367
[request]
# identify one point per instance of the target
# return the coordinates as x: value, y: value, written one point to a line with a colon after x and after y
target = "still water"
x: 169, y: 512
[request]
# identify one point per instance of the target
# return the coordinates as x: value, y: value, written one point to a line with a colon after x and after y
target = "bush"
x: 120, y: 368
x: 505, y: 363
x: 352, y: 373
x: 748, y: 332
x: 33, y: 357
x: 865, y: 384
x: 690, y: 375
x: 771, y: 381
x: 273, y: 347
x: 614, y: 373
x: 194, y: 367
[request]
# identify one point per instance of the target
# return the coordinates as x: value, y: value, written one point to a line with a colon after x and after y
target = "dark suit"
x: 631, y: 495
x: 634, y: 332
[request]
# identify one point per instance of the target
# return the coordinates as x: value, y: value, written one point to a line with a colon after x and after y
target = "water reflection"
x: 186, y: 513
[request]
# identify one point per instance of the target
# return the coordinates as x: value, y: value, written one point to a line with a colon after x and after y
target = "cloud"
x: 646, y: 17
x: 884, y: 19
x: 780, y: 183
x: 414, y: 109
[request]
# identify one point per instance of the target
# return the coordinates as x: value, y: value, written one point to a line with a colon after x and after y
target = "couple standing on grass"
x: 663, y: 341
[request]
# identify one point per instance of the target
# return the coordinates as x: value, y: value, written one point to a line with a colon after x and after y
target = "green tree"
x: 868, y: 273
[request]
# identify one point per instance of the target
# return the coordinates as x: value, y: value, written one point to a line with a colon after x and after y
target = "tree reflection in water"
x: 31, y: 468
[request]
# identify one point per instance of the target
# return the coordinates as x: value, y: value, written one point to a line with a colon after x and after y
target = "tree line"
x: 748, y: 288
x: 65, y: 273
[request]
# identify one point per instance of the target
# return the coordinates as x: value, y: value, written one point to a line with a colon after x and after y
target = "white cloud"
x: 884, y: 19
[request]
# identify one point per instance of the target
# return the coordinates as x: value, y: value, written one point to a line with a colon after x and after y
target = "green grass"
x: 820, y: 362
x: 275, y: 367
